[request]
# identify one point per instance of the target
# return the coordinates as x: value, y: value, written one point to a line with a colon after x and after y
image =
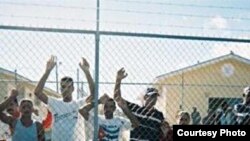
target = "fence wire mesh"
x: 208, y: 76
x: 200, y: 80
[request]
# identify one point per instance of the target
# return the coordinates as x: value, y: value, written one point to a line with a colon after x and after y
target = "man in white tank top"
x: 24, y: 128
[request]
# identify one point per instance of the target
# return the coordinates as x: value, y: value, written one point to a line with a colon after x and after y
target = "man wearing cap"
x: 242, y: 110
x: 150, y: 118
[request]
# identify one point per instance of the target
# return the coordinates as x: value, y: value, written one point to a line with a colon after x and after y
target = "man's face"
x: 12, y: 107
x: 109, y: 108
x: 183, y: 119
x: 67, y: 89
x: 247, y: 95
x: 26, y: 108
x: 150, y: 100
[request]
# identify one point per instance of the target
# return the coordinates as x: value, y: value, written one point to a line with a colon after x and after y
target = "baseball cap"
x: 152, y: 91
x: 26, y: 100
x: 246, y: 91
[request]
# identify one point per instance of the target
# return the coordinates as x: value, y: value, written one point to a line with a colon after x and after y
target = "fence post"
x: 97, y: 40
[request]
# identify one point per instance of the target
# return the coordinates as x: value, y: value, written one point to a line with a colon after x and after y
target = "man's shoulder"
x: 81, y: 100
x: 158, y: 114
x: 121, y: 121
x: 120, y: 118
x: 52, y: 99
x: 157, y: 111
x: 131, y: 103
x: 132, y: 106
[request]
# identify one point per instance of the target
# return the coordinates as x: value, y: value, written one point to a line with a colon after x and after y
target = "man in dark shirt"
x: 150, y: 118
x: 242, y: 110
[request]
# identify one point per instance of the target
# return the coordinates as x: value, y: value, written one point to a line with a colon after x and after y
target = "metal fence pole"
x: 57, y: 87
x: 97, y: 40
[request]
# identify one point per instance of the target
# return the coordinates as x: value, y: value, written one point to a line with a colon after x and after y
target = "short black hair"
x: 67, y: 79
x: 110, y: 100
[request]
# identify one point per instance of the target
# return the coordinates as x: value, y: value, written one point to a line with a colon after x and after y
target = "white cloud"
x: 217, y: 22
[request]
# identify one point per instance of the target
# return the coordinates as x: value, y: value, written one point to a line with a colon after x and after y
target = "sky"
x: 143, y: 58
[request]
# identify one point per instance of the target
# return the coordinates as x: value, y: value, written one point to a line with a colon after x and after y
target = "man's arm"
x: 123, y: 105
x: 39, y: 88
x: 121, y: 74
x: 84, y: 65
x: 40, y: 132
x: 3, y: 117
x: 85, y: 110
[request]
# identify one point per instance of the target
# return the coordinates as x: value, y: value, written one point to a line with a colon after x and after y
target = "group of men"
x: 145, y: 123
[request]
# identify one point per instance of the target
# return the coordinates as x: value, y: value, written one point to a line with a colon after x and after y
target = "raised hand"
x: 13, y: 93
x: 51, y: 63
x: 121, y: 74
x: 84, y: 65
x: 104, y: 98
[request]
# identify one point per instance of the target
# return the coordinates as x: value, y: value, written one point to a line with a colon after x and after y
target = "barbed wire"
x: 124, y: 23
x: 175, y: 26
x: 181, y: 4
x: 170, y: 14
x: 46, y: 5
x: 47, y: 18
x: 128, y: 10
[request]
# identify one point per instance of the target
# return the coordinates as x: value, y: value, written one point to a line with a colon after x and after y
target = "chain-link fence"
x: 200, y: 80
x: 205, y: 74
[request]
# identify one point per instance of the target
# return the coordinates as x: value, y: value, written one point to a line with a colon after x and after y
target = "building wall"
x: 203, y: 83
x: 3, y: 92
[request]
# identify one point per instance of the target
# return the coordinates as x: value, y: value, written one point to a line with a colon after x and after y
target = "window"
x: 215, y: 103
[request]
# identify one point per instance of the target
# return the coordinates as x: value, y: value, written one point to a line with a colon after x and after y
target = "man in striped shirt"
x: 150, y: 118
x: 110, y: 126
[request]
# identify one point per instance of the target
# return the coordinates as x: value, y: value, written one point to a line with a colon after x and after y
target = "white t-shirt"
x: 112, y: 127
x: 65, y: 118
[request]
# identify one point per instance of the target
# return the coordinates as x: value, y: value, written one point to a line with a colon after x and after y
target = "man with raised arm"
x: 110, y: 127
x: 151, y: 120
x: 24, y: 128
x: 65, y: 110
